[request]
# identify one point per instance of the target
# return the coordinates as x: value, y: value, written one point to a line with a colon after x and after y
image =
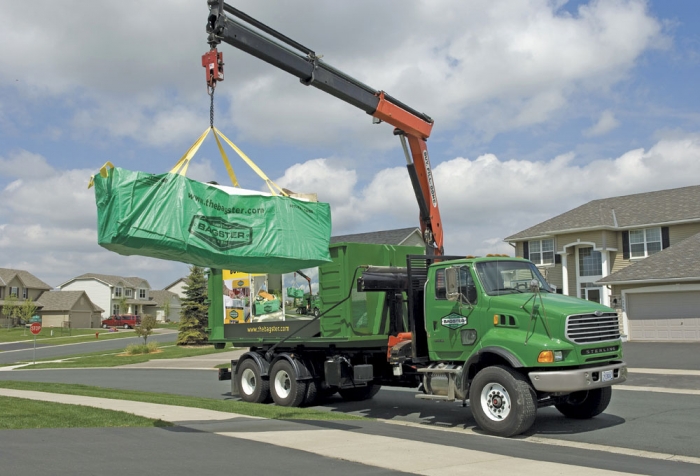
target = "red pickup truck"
x: 127, y: 321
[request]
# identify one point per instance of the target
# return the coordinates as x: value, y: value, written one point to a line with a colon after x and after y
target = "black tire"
x: 316, y: 312
x: 502, y: 401
x: 126, y: 326
x: 285, y: 389
x: 312, y: 392
x: 586, y: 404
x: 358, y: 394
x: 104, y: 326
x: 252, y: 387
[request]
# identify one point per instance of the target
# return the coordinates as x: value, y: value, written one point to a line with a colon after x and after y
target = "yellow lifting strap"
x: 270, y: 184
x: 184, y: 162
x: 103, y: 173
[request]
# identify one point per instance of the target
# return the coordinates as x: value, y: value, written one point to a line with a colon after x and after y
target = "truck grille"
x: 589, y: 328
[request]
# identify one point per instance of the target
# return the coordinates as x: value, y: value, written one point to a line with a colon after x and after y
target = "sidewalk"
x: 389, y: 452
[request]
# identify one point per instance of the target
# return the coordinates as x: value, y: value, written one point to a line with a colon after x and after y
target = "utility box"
x: 361, y: 315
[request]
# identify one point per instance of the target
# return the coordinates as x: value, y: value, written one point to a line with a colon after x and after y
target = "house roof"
x: 174, y: 283
x: 28, y: 279
x: 161, y: 297
x: 386, y: 237
x: 132, y: 282
x: 628, y: 211
x: 63, y: 300
x: 678, y: 262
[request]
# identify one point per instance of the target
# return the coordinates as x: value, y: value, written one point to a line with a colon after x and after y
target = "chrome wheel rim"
x: 283, y: 384
x: 495, y: 402
x: 248, y: 382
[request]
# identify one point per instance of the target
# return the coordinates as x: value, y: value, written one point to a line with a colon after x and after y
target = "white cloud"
x: 23, y: 164
x: 48, y: 226
x: 499, y: 65
x: 605, y: 124
x: 483, y: 200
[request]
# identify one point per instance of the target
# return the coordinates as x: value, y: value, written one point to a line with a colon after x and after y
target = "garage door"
x: 664, y: 316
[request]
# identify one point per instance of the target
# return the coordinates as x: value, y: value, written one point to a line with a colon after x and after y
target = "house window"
x: 115, y: 309
x: 645, y: 242
x: 25, y: 293
x: 14, y: 291
x: 129, y: 292
x: 590, y: 263
x: 541, y: 251
x: 142, y: 294
x: 118, y: 292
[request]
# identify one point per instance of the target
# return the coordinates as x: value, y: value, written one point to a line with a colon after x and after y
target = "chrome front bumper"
x: 566, y: 381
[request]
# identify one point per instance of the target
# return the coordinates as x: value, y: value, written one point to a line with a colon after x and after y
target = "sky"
x: 539, y: 106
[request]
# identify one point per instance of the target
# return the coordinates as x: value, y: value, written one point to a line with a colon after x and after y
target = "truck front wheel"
x: 251, y: 387
x: 585, y: 404
x: 286, y: 390
x: 502, y: 401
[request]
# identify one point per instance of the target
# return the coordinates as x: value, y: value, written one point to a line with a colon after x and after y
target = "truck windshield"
x: 507, y: 277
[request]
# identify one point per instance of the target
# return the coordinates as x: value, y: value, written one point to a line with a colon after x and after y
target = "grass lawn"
x: 231, y: 406
x: 20, y: 413
x: 17, y: 334
x: 113, y: 359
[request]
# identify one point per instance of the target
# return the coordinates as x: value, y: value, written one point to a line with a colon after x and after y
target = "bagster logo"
x: 454, y: 321
x: 219, y: 233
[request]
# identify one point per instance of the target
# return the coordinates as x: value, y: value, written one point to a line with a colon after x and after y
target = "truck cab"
x: 517, y: 338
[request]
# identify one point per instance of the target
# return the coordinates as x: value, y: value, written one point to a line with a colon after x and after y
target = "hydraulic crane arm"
x: 265, y: 43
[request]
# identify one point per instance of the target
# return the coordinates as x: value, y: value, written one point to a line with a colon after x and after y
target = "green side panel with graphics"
x: 364, y: 314
x: 172, y: 217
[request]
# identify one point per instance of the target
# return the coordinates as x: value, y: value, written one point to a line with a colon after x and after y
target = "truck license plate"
x: 607, y: 375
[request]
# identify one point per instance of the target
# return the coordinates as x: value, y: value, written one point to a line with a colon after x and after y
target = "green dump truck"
x: 489, y: 330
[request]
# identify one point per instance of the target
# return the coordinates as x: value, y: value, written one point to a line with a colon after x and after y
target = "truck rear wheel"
x: 251, y: 387
x: 586, y: 404
x: 312, y: 392
x: 358, y: 394
x: 502, y: 401
x: 285, y: 389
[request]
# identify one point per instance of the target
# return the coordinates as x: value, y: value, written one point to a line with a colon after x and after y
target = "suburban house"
x: 167, y: 305
x: 110, y: 292
x: 177, y: 287
x: 21, y: 284
x: 69, y: 309
x: 639, y: 254
x: 401, y: 236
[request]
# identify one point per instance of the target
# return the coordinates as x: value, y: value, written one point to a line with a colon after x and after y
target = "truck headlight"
x: 549, y: 356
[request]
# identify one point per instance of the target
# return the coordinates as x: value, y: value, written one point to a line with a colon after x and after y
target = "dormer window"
x: 118, y: 292
x: 645, y: 242
x: 142, y: 293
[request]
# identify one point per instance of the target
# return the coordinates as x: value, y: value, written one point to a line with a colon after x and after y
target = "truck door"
x: 453, y: 327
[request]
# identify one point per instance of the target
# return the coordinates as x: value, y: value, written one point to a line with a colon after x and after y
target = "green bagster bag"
x: 172, y: 217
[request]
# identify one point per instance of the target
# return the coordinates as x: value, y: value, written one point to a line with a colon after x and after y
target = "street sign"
x: 35, y: 319
x: 35, y: 328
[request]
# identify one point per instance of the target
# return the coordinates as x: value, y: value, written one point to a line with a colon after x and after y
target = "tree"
x: 10, y: 309
x: 166, y: 311
x: 148, y: 323
x: 123, y: 305
x: 193, y: 316
x: 26, y: 310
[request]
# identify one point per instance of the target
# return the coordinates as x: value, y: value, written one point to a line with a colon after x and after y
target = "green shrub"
x: 135, y: 349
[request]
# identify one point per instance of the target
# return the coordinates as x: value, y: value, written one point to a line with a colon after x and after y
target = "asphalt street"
x: 652, y: 412
x: 24, y: 351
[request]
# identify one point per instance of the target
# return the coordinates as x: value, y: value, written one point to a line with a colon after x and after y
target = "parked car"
x: 127, y: 321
